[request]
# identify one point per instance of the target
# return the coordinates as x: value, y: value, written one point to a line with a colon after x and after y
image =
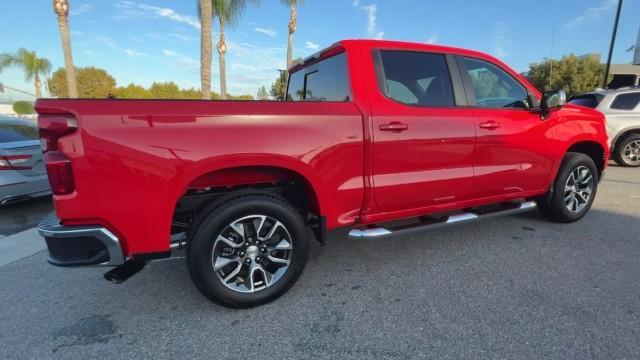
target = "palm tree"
x: 292, y: 27
x: 205, y: 8
x: 61, y: 8
x: 31, y: 64
x: 227, y: 12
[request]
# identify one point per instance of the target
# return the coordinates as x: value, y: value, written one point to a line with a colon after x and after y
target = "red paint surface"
x: 133, y: 159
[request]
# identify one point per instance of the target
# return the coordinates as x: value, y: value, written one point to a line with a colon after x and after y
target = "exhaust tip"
x: 121, y: 273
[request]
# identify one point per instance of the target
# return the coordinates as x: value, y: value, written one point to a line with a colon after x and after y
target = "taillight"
x: 60, y: 173
x: 53, y: 128
x: 59, y: 170
x: 14, y: 162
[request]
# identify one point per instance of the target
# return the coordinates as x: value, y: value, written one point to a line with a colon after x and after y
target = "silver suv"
x: 622, y: 109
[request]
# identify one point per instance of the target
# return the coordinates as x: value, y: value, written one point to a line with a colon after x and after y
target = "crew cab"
x: 379, y: 137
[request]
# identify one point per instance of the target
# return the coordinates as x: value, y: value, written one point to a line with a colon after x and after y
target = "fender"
x: 217, y: 163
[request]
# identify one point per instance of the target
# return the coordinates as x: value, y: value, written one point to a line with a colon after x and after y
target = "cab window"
x: 327, y: 80
x: 415, y: 78
x: 493, y: 87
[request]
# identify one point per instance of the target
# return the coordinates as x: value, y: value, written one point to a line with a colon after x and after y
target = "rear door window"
x: 590, y: 100
x: 415, y: 78
x: 626, y: 101
x: 327, y: 80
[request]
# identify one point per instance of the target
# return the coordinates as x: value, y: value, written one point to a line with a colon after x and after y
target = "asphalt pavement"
x: 24, y: 215
x: 515, y: 287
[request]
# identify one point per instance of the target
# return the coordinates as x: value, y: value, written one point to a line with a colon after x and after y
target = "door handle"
x: 490, y: 125
x: 394, y: 126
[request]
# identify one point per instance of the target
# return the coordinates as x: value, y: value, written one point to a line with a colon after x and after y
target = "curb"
x: 19, y: 246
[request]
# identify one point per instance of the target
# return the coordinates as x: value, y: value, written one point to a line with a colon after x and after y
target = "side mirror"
x: 553, y: 99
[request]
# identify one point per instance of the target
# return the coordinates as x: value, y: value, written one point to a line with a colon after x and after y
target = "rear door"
x: 508, y: 159
x: 423, y: 137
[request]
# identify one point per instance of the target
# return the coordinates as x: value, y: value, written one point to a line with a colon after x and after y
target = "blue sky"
x: 143, y: 41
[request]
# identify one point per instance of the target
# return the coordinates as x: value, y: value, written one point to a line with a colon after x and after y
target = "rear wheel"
x: 572, y: 193
x: 248, y: 250
x: 628, y: 152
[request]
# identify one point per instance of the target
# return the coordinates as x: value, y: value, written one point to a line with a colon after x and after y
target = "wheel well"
x: 591, y: 149
x: 619, y: 138
x: 209, y: 187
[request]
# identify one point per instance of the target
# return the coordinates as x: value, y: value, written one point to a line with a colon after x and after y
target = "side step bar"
x: 432, y: 223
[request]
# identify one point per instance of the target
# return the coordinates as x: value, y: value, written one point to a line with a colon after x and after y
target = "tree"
x: 193, y: 94
x: 263, y: 94
x: 227, y: 12
x: 572, y: 74
x: 205, y: 9
x: 292, y: 27
x: 165, y: 90
x: 279, y: 87
x: 132, y: 91
x: 23, y: 108
x: 241, y: 97
x: 31, y: 64
x: 92, y: 83
x: 61, y: 8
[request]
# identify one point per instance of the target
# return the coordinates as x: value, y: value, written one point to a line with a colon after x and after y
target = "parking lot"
x: 516, y: 287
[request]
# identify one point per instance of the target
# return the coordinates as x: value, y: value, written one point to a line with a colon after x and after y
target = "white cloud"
x: 182, y: 60
x: 433, y: 39
x: 269, y: 32
x: 134, y: 10
x: 109, y: 42
x: 76, y: 10
x: 591, y: 13
x: 312, y: 46
x: 499, y: 40
x: 182, y: 37
x: 372, y: 18
x: 133, y: 52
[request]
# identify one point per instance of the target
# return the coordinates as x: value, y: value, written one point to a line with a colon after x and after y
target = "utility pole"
x: 613, y: 41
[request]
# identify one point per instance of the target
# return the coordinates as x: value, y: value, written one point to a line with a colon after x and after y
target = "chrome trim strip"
x: 369, y: 233
x: 461, y: 218
x: 380, y: 232
x: 51, y: 227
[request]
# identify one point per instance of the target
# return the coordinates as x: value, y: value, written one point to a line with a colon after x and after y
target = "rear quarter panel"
x: 133, y: 160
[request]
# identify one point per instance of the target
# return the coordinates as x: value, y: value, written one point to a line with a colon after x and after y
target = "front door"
x: 423, y: 144
x: 510, y: 157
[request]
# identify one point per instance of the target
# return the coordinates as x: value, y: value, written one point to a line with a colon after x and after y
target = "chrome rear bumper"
x: 86, y: 245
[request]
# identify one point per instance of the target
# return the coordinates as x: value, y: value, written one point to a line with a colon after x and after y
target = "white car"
x: 622, y: 109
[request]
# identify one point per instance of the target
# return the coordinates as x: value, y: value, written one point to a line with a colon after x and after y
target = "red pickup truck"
x: 379, y: 137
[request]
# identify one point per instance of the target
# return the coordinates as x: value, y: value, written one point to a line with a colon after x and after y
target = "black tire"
x: 552, y: 205
x: 216, y: 219
x: 618, y: 154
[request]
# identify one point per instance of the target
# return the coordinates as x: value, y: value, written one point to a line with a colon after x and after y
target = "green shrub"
x: 23, y: 108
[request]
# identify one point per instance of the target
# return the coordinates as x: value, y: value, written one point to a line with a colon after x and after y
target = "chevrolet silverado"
x: 378, y: 137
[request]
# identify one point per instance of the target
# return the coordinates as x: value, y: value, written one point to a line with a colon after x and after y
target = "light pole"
x: 613, y: 41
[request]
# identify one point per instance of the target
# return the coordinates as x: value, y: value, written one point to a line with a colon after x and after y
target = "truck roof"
x: 392, y: 44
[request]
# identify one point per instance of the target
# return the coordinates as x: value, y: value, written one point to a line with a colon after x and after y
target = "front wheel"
x: 248, y: 250
x: 572, y: 193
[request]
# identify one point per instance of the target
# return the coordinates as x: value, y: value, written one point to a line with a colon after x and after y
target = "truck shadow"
x: 347, y: 268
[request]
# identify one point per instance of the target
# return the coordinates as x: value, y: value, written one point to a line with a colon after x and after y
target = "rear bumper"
x: 15, y: 187
x: 87, y: 245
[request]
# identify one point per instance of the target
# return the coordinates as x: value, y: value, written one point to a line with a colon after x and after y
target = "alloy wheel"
x: 252, y: 253
x: 631, y: 152
x: 578, y: 189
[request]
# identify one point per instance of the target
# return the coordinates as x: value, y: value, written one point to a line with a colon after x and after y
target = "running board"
x: 432, y: 223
